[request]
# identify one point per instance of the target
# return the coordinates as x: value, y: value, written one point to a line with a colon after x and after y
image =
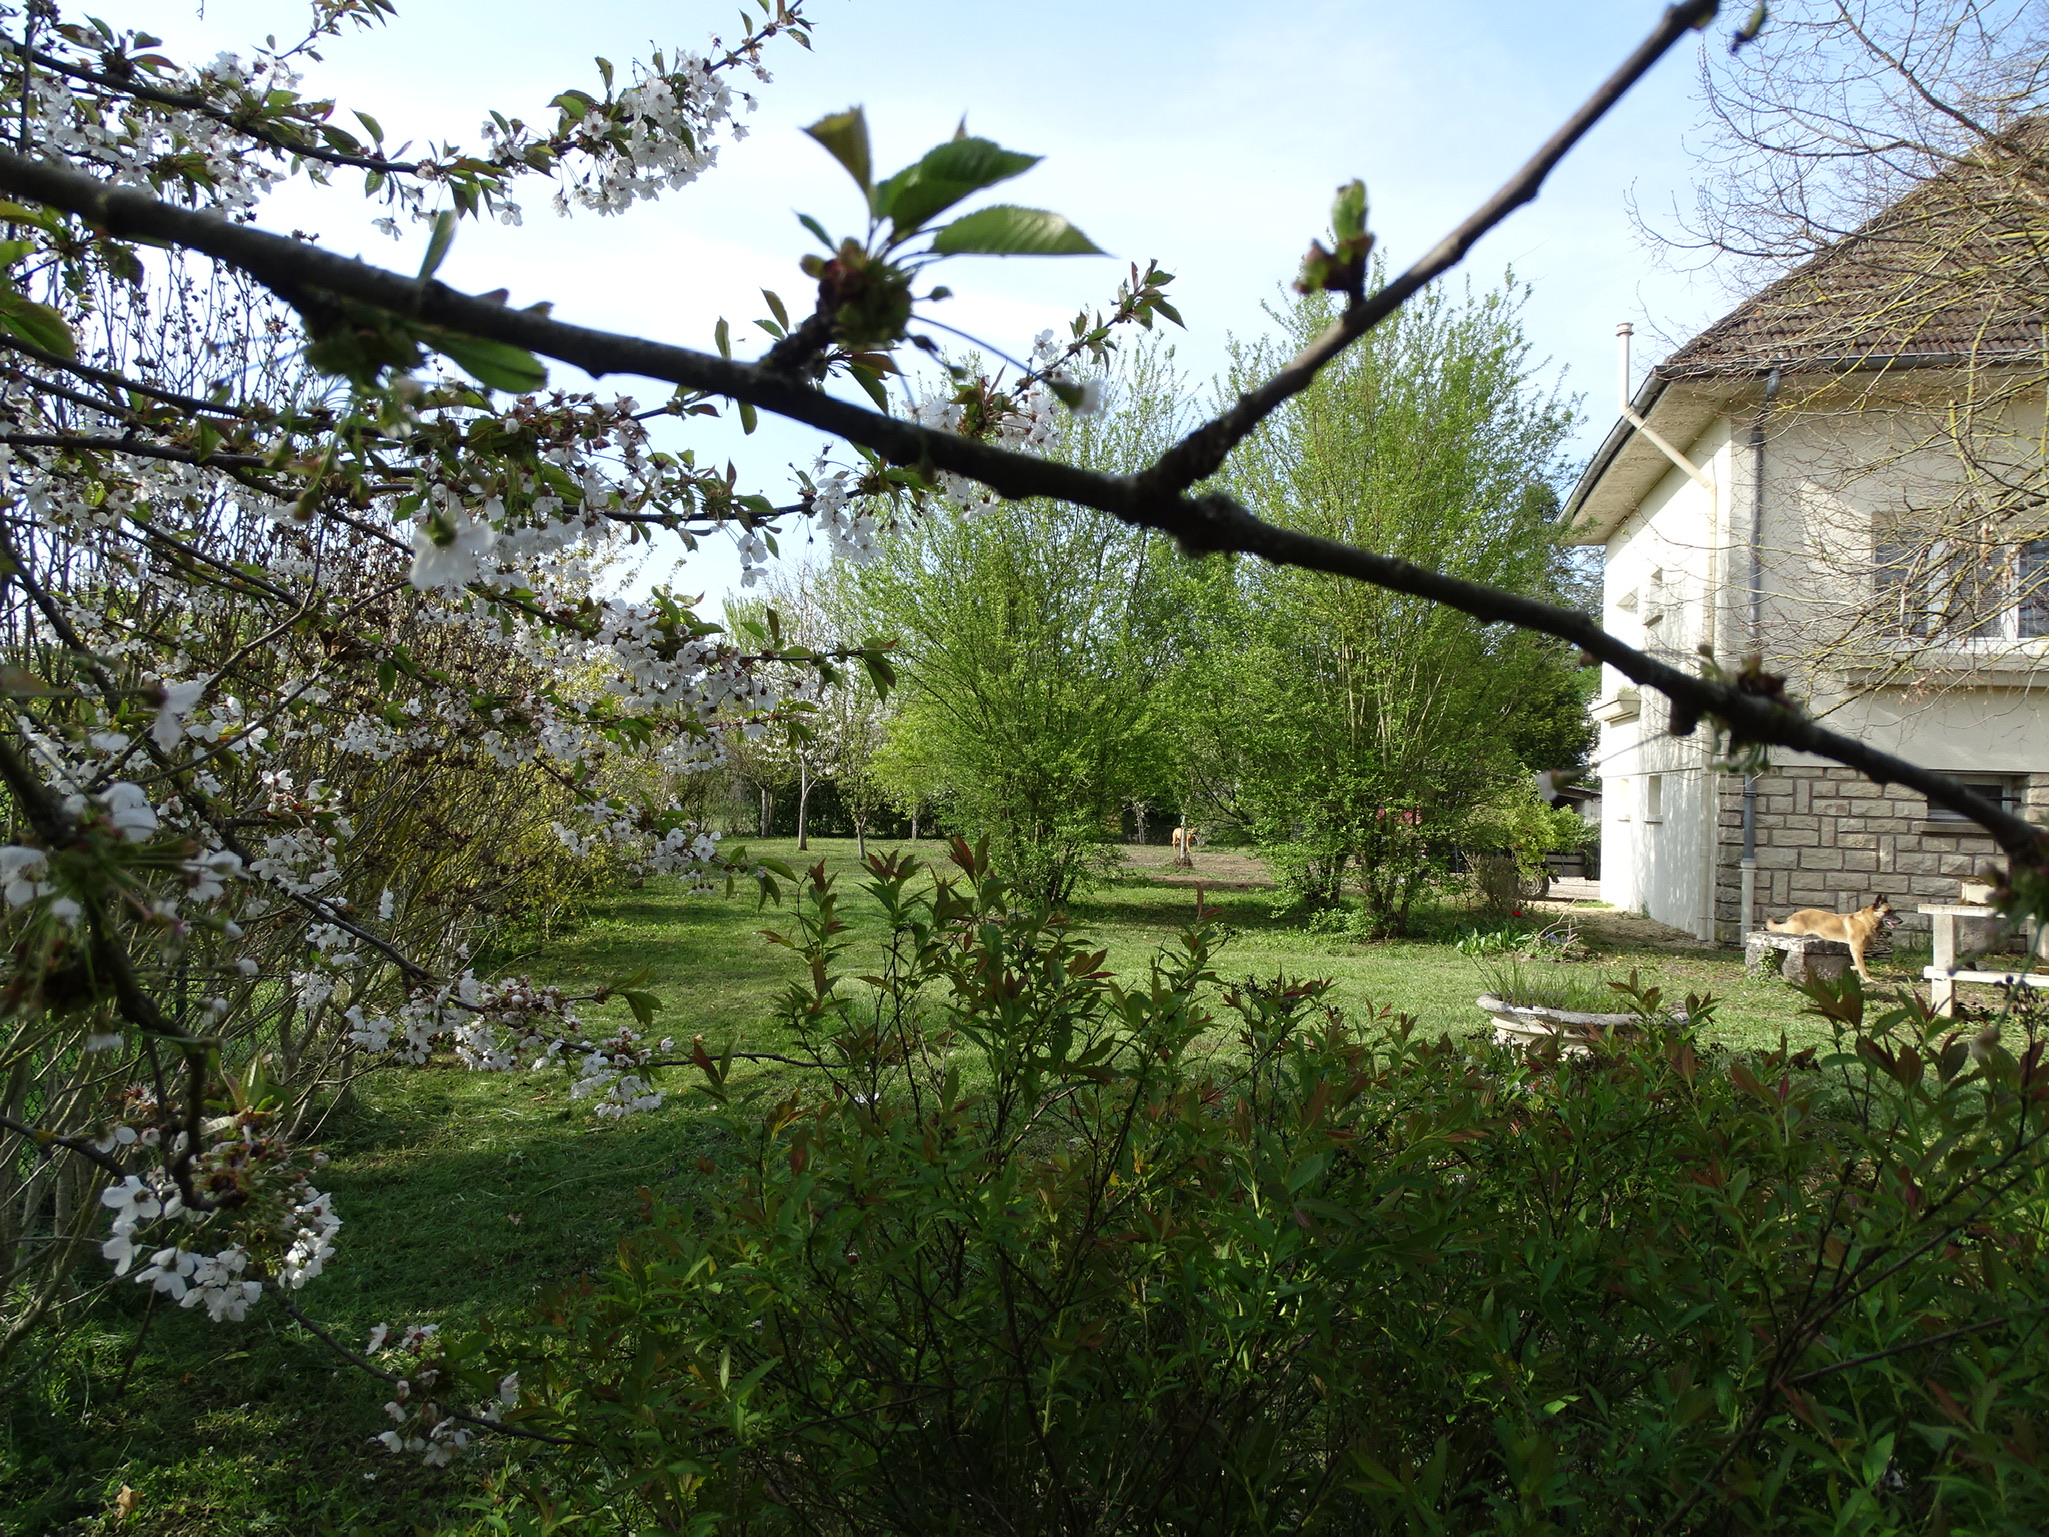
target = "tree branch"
x: 1199, y: 455
x: 49, y: 1139
x: 1200, y: 524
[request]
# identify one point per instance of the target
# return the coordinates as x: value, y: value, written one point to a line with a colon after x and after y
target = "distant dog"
x: 1184, y: 846
x: 1853, y: 929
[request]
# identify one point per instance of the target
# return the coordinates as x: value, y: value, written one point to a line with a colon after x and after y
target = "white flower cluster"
x: 127, y: 807
x: 134, y: 1202
x: 420, y: 1424
x: 25, y: 871
x: 689, y: 851
x: 23, y: 876
x: 615, y: 1068
x: 454, y: 559
x: 514, y: 1025
x: 655, y: 668
x: 427, y: 1015
x: 189, y: 1277
x: 849, y: 530
x: 218, y: 1281
x: 136, y: 141
x: 300, y: 861
x: 655, y: 136
x: 1032, y: 422
x: 311, y: 1228
x: 752, y: 550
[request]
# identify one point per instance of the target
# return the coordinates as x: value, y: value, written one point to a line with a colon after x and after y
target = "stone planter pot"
x: 1978, y: 893
x: 1517, y: 1025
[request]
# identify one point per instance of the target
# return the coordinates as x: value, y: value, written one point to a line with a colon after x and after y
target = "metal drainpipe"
x: 1748, y: 897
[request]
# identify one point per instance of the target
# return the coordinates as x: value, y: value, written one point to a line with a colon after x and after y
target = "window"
x: 1958, y: 589
x: 1654, y: 798
x: 2003, y: 790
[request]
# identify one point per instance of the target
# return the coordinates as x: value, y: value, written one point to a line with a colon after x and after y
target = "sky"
x: 1204, y: 134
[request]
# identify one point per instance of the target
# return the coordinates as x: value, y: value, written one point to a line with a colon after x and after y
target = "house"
x: 1844, y: 475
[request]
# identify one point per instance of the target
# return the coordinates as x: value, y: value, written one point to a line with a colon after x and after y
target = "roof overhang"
x: 1628, y: 464
x: 1679, y: 404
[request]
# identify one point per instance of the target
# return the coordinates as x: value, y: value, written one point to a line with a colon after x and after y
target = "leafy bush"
x: 1037, y: 1252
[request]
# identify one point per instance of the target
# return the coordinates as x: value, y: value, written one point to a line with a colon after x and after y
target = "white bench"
x: 1942, y: 977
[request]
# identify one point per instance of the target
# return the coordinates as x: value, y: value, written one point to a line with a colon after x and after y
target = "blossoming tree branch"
x: 305, y: 587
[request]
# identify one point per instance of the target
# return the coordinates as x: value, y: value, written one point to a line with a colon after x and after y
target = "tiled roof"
x: 1957, y: 270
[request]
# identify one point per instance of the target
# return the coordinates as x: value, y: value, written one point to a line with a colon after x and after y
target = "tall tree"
x: 1356, y: 730
x: 1033, y: 640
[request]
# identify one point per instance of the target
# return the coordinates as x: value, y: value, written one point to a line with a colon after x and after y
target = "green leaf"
x: 845, y: 137
x: 722, y: 335
x: 775, y: 308
x: 371, y: 123
x: 816, y: 228
x: 871, y: 382
x: 1007, y: 230
x: 438, y: 243
x: 748, y: 419
x: 919, y: 193
x: 41, y: 218
x: 36, y: 324
x: 495, y: 365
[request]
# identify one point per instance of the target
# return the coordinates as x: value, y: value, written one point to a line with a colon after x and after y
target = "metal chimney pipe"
x: 1623, y: 331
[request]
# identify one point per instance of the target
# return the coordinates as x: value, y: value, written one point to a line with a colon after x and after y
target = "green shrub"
x: 1034, y: 1252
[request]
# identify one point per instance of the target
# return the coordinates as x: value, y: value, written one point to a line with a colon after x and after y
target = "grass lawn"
x: 465, y: 1195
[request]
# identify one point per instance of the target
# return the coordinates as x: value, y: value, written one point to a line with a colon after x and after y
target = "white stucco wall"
x: 1665, y: 590
x: 1837, y: 459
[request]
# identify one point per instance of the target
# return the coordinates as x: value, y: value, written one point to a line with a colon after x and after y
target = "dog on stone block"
x: 1853, y: 929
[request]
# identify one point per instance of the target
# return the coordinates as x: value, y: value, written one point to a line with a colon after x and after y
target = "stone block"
x: 1801, y: 958
x: 1772, y: 858
x: 1852, y: 840
x: 1859, y: 790
x: 1801, y: 821
x: 1915, y: 861
x: 1797, y: 838
x: 1821, y: 859
x: 1864, y: 860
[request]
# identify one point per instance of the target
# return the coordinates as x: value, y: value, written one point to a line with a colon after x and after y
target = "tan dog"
x: 1852, y: 929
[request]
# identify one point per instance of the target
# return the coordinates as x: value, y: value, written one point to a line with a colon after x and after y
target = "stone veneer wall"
x: 1827, y: 837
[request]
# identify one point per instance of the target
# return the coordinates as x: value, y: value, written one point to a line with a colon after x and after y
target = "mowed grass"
x: 465, y: 1196
x: 719, y: 978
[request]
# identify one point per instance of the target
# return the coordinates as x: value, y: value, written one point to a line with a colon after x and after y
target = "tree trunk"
x: 860, y: 838
x: 803, y: 804
x: 914, y: 824
x: 767, y: 809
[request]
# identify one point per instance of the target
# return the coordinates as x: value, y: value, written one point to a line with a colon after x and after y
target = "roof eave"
x: 1654, y: 388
